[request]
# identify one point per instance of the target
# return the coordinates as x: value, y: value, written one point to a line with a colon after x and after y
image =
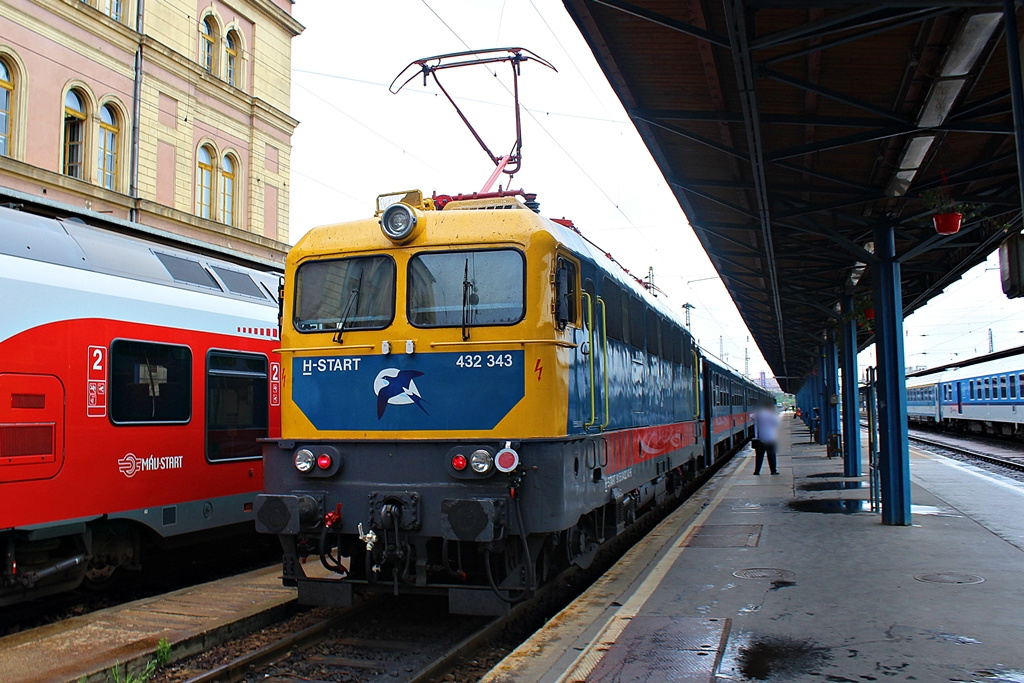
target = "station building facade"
x: 169, y: 113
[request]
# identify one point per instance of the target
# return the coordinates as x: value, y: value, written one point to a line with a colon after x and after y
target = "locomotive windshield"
x: 345, y: 294
x: 466, y: 288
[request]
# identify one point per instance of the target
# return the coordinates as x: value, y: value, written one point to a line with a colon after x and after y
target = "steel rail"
x: 237, y: 668
x: 991, y: 459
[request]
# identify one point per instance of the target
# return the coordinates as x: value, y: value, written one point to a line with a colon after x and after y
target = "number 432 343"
x: 489, y: 360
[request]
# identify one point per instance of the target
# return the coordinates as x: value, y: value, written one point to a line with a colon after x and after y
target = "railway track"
x: 341, y: 645
x: 408, y: 639
x: 1006, y: 460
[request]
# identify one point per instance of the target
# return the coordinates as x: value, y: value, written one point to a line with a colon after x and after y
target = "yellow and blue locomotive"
x: 473, y: 397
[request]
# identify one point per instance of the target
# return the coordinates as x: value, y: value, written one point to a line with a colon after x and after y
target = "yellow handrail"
x: 590, y: 332
x: 604, y: 358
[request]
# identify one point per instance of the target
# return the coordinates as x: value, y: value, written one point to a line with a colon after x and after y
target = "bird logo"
x: 397, y: 387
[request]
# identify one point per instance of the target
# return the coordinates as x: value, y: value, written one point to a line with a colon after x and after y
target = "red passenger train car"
x: 135, y: 380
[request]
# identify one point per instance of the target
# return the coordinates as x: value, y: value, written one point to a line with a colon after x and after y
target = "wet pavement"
x: 807, y: 584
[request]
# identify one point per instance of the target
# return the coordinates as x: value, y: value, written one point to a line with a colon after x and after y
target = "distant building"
x: 169, y: 113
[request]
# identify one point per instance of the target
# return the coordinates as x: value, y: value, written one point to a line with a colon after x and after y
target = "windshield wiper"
x: 469, y: 298
x: 353, y: 300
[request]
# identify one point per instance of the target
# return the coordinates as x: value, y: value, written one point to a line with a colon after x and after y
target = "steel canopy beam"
x: 746, y: 79
x: 662, y: 20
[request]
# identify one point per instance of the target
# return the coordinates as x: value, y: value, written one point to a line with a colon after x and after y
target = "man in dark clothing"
x: 766, y: 426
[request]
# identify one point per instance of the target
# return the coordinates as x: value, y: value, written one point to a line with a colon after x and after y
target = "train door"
x: 959, y: 399
x: 707, y: 379
x: 31, y: 427
x: 575, y: 321
x: 595, y: 329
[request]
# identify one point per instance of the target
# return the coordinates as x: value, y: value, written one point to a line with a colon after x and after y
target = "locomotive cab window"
x: 565, y: 293
x: 345, y: 294
x: 236, y: 405
x: 150, y: 383
x: 467, y: 288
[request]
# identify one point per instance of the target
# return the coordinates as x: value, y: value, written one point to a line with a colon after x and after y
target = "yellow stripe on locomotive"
x: 425, y: 323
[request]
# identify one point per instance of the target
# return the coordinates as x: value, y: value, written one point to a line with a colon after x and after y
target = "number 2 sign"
x: 96, y: 401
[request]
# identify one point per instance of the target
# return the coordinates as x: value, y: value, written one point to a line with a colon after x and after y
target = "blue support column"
x: 894, y: 449
x: 820, y: 400
x: 851, y: 399
x: 831, y: 386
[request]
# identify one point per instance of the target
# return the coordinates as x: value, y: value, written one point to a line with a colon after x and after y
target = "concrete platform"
x: 192, y: 619
x: 792, y: 578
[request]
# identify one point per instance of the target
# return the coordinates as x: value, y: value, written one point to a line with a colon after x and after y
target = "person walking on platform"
x: 766, y: 425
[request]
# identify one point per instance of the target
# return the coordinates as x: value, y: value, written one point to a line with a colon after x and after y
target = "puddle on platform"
x: 831, y: 485
x: 953, y: 638
x: 830, y: 506
x: 822, y: 475
x: 933, y: 511
x: 774, y: 658
x: 996, y: 677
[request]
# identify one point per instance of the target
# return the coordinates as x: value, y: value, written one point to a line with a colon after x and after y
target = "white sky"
x: 581, y: 155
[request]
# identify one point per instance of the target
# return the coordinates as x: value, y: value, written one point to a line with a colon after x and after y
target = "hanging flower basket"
x: 947, y: 223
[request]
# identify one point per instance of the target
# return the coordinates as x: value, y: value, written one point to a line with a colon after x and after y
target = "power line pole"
x: 687, y: 306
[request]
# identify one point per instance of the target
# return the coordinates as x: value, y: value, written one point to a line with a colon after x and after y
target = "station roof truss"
x: 788, y: 130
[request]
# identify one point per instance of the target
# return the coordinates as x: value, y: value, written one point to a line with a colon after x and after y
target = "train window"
x: 988, y: 387
x: 467, y: 288
x: 1002, y: 387
x: 345, y: 294
x: 1013, y: 386
x: 626, y: 326
x: 971, y: 383
x: 236, y: 405
x: 612, y: 296
x: 566, y: 294
x: 187, y: 270
x: 150, y: 383
x: 238, y: 283
x: 653, y: 332
x: 637, y: 322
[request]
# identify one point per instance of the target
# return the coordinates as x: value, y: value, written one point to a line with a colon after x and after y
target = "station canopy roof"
x: 788, y: 130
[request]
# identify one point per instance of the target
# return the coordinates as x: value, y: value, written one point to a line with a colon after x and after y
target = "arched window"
x: 227, y: 190
x: 204, y: 182
x: 107, y: 160
x: 6, y: 104
x: 231, y: 57
x: 74, y: 135
x: 113, y: 9
x: 207, y: 42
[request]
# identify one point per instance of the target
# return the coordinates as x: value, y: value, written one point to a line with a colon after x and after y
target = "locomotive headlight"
x: 481, y: 461
x: 398, y: 222
x: 304, y: 460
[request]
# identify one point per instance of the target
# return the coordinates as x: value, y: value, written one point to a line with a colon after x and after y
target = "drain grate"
x: 763, y: 573
x: 949, y: 577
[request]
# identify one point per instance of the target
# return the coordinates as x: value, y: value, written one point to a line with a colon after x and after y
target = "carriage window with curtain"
x: 236, y: 405
x: 204, y: 182
x: 150, y: 383
x: 6, y: 102
x: 107, y: 159
x: 74, y: 135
